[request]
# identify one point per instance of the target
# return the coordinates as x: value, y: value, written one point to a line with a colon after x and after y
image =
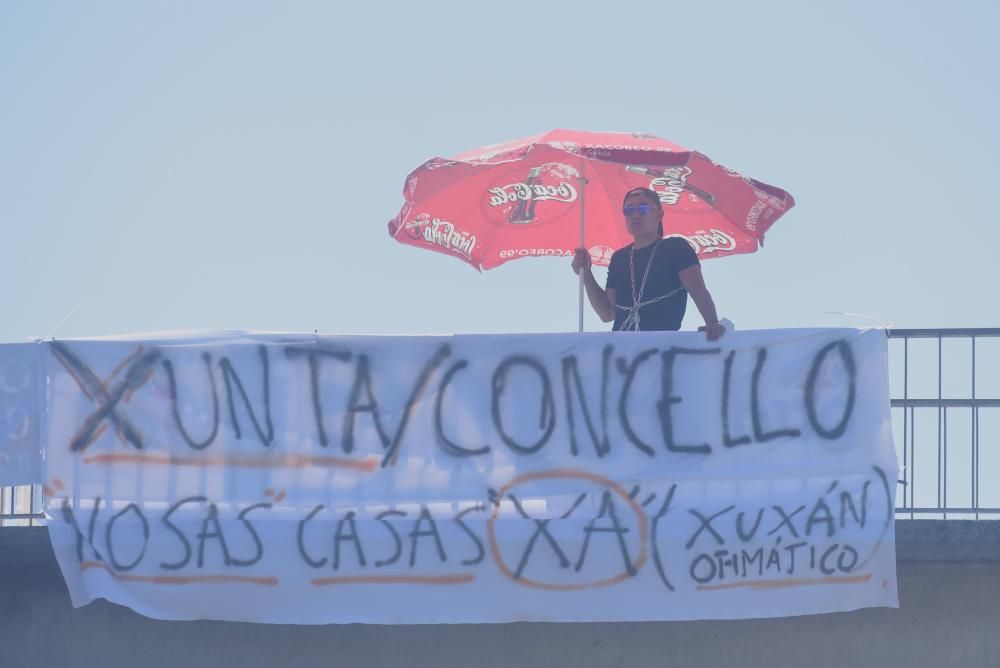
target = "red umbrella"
x: 548, y: 194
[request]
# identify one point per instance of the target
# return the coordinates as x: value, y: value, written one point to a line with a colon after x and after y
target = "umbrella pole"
x: 583, y: 189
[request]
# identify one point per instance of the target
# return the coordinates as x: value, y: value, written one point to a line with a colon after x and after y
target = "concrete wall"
x: 949, y: 583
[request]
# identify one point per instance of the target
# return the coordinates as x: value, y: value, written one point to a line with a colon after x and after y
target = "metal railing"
x: 21, y: 506
x: 943, y: 408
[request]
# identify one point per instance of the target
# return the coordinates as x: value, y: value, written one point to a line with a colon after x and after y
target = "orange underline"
x: 450, y: 579
x: 180, y: 579
x: 799, y: 582
x: 286, y: 461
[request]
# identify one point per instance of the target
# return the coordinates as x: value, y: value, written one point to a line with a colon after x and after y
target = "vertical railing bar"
x: 913, y: 459
x: 36, y: 504
x: 975, y: 446
x: 975, y: 440
x: 938, y: 472
x: 906, y: 369
x: 944, y: 459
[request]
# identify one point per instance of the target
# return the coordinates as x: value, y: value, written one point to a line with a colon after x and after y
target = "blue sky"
x: 232, y: 165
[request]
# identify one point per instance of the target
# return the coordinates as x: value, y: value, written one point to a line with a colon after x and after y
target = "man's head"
x: 642, y: 209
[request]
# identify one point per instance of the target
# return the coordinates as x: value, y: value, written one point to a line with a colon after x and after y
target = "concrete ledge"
x: 948, y: 541
x: 26, y: 551
x: 949, y: 585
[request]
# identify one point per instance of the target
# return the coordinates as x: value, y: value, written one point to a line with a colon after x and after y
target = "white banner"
x: 569, y: 477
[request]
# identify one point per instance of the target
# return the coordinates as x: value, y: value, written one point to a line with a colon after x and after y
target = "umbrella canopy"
x: 528, y: 198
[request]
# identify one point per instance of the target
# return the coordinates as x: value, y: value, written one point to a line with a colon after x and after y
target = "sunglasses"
x: 642, y: 209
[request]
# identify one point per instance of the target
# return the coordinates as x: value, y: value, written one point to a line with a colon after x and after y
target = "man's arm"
x: 694, y: 283
x: 602, y: 301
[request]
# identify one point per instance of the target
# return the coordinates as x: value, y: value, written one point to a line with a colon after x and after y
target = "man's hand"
x: 581, y: 260
x: 694, y: 283
x: 713, y: 331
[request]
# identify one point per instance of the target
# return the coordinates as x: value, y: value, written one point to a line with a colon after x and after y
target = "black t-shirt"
x: 672, y: 255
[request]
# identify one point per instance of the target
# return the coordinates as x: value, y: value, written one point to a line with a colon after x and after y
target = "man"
x: 649, y: 280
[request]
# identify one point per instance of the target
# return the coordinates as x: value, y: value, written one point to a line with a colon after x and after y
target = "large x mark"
x: 97, y: 390
x: 540, y: 530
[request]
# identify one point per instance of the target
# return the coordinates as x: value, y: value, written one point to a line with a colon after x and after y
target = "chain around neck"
x: 631, y: 321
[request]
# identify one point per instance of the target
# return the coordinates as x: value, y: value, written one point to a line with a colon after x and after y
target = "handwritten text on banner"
x: 297, y: 479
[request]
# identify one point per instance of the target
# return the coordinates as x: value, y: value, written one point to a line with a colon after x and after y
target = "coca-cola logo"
x: 543, y: 194
x: 729, y: 171
x: 601, y: 254
x: 438, y: 163
x: 712, y: 241
x: 444, y: 234
x: 539, y: 192
x: 670, y: 184
x: 415, y: 228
